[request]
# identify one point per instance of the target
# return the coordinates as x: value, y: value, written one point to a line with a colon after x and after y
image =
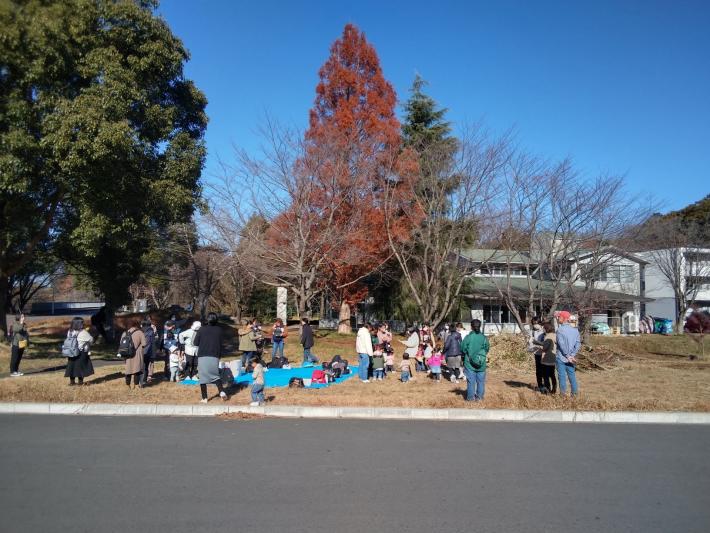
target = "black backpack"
x: 126, y: 348
x: 296, y: 383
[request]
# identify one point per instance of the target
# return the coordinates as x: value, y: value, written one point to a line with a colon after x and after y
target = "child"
x: 378, y: 363
x: 405, y: 368
x: 389, y: 359
x: 434, y: 363
x: 548, y: 357
x: 257, y: 386
x: 174, y: 362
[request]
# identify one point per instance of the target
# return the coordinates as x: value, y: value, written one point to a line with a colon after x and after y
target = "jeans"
x: 257, y: 392
x: 174, y: 373
x: 378, y: 373
x: 475, y: 385
x: 565, y: 371
x: 364, y: 366
x: 277, y: 348
x: 404, y: 377
x: 246, y: 357
x: 308, y: 357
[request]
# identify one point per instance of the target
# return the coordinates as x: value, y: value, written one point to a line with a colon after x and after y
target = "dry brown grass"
x: 637, y: 381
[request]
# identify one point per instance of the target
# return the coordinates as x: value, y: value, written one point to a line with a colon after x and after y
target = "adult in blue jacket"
x: 568, y: 344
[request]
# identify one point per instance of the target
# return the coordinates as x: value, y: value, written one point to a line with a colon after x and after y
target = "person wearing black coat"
x: 307, y: 342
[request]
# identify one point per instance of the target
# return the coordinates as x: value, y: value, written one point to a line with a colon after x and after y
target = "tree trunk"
x: 3, y: 305
x: 344, y: 318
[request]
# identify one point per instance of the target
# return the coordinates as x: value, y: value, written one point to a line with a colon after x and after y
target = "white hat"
x: 173, y: 348
x: 196, y: 325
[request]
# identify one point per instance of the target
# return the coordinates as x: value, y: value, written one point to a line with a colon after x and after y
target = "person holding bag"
x: 79, y: 366
x: 20, y: 342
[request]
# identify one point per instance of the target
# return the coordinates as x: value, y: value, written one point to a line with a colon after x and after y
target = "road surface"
x: 95, y: 474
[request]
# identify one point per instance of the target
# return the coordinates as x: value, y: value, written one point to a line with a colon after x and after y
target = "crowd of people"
x: 454, y: 353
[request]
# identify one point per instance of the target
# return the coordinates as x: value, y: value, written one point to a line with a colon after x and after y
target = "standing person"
x: 548, y: 358
x: 435, y: 361
x: 307, y: 342
x: 148, y: 351
x: 536, y: 334
x: 186, y: 339
x: 79, y: 367
x: 248, y: 337
x: 135, y: 364
x: 20, y: 341
x: 378, y: 363
x: 475, y: 353
x: 278, y: 336
x: 257, y: 386
x: 363, y: 347
x: 412, y: 343
x: 209, y: 341
x: 568, y: 344
x: 452, y: 352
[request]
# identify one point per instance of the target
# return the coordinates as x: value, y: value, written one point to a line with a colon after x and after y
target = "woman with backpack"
x: 79, y: 367
x: 135, y: 363
x: 209, y: 342
x: 475, y: 354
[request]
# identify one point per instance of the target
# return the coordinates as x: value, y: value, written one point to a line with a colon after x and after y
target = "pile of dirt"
x: 509, y: 350
x: 598, y: 358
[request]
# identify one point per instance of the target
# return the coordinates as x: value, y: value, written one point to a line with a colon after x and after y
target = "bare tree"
x: 288, y: 213
x: 451, y: 196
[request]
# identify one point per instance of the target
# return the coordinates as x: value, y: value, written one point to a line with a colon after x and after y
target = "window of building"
x: 615, y: 273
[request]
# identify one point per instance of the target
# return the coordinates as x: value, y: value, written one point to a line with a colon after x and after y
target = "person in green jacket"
x: 475, y: 354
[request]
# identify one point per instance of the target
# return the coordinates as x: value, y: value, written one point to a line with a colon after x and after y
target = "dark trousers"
x: 549, y: 379
x: 190, y: 365
x: 136, y: 379
x: 539, y: 370
x: 147, y: 370
x: 203, y: 389
x: 15, y: 358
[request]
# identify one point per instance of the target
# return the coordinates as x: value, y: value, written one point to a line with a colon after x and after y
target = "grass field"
x: 640, y: 373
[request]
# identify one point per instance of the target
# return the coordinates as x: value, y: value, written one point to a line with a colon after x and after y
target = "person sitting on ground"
x: 307, y: 342
x: 339, y: 366
x: 405, y: 368
x: 548, y: 359
x: 378, y: 363
x: 434, y: 362
x: 79, y: 367
x: 258, y: 382
x: 209, y: 341
x: 568, y: 344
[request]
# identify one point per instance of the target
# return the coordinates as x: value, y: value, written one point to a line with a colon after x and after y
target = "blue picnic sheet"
x: 279, y: 377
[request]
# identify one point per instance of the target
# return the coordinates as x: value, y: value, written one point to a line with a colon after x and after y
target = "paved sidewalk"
x: 371, y: 413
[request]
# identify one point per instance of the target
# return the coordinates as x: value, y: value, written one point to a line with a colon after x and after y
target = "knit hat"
x: 196, y: 325
x: 564, y: 315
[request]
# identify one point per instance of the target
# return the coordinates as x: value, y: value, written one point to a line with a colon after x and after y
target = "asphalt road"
x: 92, y: 474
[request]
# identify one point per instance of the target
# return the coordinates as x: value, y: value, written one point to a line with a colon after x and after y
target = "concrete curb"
x: 369, y: 413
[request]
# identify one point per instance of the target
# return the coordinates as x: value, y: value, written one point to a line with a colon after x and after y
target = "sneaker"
x: 203, y: 400
x: 254, y: 404
x: 224, y: 396
x: 456, y: 381
x: 16, y: 374
x: 365, y: 381
x: 452, y: 378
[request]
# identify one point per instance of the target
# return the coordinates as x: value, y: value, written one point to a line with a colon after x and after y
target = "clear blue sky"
x: 620, y: 86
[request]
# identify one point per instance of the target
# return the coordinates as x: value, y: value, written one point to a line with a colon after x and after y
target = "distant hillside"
x: 697, y: 213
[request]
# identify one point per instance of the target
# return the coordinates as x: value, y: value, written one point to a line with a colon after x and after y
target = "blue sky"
x: 622, y: 87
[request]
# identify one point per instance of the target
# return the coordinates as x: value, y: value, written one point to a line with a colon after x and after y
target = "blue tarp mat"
x: 279, y: 377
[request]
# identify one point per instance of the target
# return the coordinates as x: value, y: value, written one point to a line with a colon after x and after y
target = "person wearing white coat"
x: 363, y: 347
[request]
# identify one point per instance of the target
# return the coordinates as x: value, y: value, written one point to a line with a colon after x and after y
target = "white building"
x: 689, y: 268
x: 618, y: 286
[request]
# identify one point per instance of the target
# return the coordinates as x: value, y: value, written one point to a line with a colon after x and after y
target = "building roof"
x: 487, y: 288
x: 483, y: 255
